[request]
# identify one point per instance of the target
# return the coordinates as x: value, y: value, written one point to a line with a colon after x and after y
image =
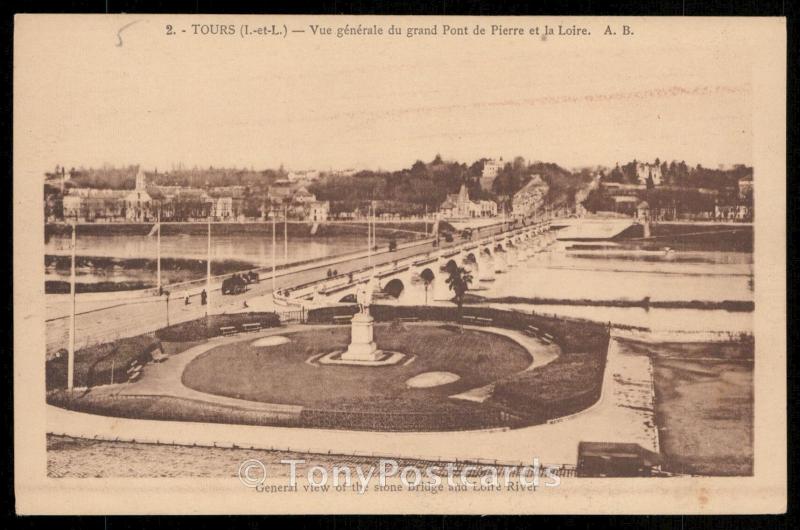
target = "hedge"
x: 93, y: 364
x: 571, y: 335
x: 206, y: 327
x: 570, y: 383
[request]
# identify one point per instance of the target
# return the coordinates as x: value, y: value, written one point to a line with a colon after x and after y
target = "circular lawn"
x: 282, y: 374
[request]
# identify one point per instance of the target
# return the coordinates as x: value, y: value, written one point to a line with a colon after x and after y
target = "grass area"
x: 353, y: 397
x: 704, y: 406
x: 279, y: 374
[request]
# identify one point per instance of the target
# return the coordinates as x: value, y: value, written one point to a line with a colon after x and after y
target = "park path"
x: 623, y: 414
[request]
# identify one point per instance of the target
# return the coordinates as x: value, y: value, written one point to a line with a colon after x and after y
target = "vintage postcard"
x: 334, y: 264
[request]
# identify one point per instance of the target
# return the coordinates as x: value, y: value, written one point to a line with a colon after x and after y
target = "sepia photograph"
x: 308, y: 264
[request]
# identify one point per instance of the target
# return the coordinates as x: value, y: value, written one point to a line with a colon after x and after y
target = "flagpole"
x: 285, y: 238
x: 208, y: 269
x: 71, y: 353
x: 158, y: 253
x: 273, y: 251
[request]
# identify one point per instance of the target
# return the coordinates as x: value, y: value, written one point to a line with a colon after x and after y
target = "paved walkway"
x: 618, y: 417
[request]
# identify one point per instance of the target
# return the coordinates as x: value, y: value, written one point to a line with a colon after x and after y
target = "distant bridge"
x: 589, y: 229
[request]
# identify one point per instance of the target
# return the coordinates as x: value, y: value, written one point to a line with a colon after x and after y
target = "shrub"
x: 94, y: 364
x: 207, y: 327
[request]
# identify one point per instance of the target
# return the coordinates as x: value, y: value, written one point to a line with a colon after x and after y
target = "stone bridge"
x: 422, y: 279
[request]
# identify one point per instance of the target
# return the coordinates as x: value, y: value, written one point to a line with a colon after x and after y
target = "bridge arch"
x: 427, y: 276
x: 394, y: 287
x: 451, y: 263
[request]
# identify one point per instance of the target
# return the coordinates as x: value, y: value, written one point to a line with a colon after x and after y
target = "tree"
x: 427, y: 279
x: 458, y: 280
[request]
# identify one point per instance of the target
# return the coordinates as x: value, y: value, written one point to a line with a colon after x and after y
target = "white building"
x: 139, y: 202
x: 318, y: 211
x: 491, y: 167
x: 644, y: 170
x: 222, y: 207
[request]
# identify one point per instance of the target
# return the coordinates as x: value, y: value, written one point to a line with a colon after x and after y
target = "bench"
x: 408, y: 319
x: 468, y: 318
x: 228, y: 330
x: 483, y: 320
x: 548, y: 337
x: 342, y: 319
x: 134, y: 376
x: 251, y: 327
x: 134, y: 367
x: 531, y: 330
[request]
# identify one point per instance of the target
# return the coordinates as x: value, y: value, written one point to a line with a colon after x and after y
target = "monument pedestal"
x: 362, y: 346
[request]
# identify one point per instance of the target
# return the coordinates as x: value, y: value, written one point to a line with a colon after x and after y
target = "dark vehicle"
x: 598, y: 459
x: 448, y: 237
x: 234, y: 285
x: 466, y: 234
x: 392, y: 245
x: 251, y: 277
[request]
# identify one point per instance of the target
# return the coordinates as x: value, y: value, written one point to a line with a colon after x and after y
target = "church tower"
x: 141, y: 180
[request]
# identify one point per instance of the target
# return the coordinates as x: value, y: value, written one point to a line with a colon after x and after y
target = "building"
x: 306, y: 175
x: 645, y: 171
x: 530, y: 198
x: 491, y: 167
x: 625, y: 204
x: 746, y: 188
x: 303, y: 196
x: 733, y: 212
x: 280, y: 191
x: 459, y: 206
x: 318, y: 211
x: 94, y: 205
x: 143, y: 204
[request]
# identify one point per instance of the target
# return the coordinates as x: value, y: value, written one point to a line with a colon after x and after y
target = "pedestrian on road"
x: 203, y: 297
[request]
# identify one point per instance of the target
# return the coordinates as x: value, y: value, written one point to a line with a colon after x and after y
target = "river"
x: 627, y: 273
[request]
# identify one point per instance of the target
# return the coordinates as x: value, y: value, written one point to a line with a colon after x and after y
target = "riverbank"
x: 109, y: 274
x: 706, y: 237
x: 645, y: 303
x: 704, y: 405
x: 296, y: 229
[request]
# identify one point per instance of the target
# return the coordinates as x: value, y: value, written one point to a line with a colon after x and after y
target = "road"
x: 103, y: 321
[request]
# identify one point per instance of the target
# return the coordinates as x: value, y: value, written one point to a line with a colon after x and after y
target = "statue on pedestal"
x: 362, y: 345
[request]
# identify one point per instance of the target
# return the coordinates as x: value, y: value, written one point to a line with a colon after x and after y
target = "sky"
x: 677, y: 90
